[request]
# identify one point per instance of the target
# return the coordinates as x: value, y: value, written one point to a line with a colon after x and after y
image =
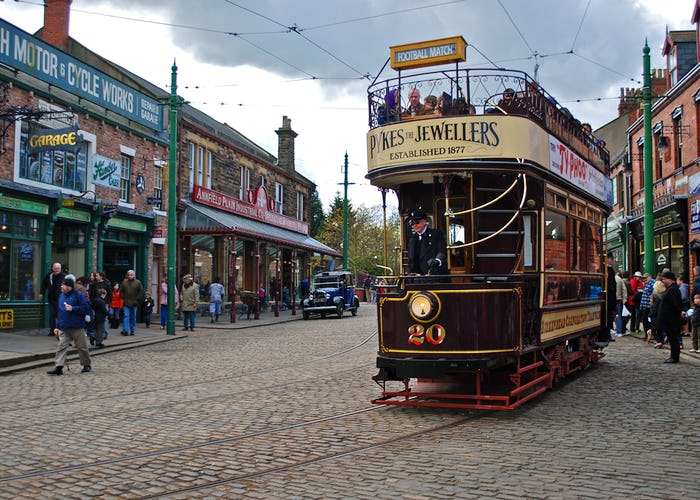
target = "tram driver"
x: 427, y: 249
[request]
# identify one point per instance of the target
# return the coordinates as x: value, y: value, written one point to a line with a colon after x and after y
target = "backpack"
x: 90, y: 317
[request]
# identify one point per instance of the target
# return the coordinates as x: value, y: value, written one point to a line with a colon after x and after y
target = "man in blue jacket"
x: 70, y: 325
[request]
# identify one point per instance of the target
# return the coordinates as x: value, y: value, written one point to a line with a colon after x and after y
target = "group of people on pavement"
x: 80, y: 307
x: 663, y: 306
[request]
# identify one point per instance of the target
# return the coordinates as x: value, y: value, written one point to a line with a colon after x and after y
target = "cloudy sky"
x: 250, y: 62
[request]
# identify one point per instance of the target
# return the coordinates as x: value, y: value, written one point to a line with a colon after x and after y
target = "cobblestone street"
x: 282, y: 411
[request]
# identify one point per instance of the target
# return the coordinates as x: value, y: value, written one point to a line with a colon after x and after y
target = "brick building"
x: 676, y: 157
x: 80, y: 153
x: 83, y: 179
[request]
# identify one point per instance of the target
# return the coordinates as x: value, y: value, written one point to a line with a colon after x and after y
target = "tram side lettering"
x: 475, y: 132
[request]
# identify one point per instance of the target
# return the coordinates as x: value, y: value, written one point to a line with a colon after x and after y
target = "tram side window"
x: 555, y: 245
x: 587, y: 242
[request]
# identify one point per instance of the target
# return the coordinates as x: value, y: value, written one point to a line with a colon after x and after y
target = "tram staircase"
x: 500, y: 254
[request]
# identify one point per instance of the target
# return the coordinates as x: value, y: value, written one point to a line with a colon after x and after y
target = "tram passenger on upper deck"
x: 444, y: 104
x: 508, y: 98
x: 430, y: 106
x: 427, y: 250
x: 390, y: 110
x: 414, y: 105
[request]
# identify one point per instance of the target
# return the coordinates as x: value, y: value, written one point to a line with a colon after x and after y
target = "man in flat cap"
x: 670, y: 316
x: 70, y: 325
x: 427, y: 250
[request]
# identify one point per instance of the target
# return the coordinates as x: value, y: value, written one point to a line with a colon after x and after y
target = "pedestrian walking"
x: 670, y: 315
x: 695, y: 324
x: 189, y: 300
x: 148, y: 306
x: 216, y: 298
x: 51, y: 289
x: 132, y: 295
x: 70, y: 326
x: 645, y: 305
x: 164, y: 301
x: 116, y: 305
x: 99, y: 306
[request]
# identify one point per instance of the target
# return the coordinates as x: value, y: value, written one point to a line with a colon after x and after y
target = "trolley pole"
x: 648, y: 168
x: 172, y: 202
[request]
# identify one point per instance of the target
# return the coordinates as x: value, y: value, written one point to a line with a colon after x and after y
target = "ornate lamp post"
x: 277, y: 284
x: 648, y: 168
x: 234, y: 262
x: 172, y: 202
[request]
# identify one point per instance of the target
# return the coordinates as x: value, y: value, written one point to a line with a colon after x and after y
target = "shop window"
x: 20, y: 257
x: 677, y: 239
x: 64, y: 169
x: 69, y: 236
x: 27, y: 270
x: 122, y: 236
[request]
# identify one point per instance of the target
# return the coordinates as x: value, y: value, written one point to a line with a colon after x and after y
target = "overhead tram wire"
x: 295, y: 29
x: 580, y: 25
x: 516, y: 27
x: 292, y: 80
x: 385, y: 14
x: 313, y: 77
x: 605, y: 67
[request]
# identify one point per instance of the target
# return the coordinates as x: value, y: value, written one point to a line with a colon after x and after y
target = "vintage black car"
x: 332, y: 292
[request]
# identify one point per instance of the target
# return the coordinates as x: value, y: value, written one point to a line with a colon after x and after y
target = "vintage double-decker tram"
x: 521, y: 193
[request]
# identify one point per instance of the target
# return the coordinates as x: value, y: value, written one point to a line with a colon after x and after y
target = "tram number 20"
x: 418, y: 334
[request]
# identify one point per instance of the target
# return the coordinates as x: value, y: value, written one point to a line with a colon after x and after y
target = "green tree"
x: 366, y: 248
x: 332, y: 233
x: 365, y: 235
x: 317, y: 218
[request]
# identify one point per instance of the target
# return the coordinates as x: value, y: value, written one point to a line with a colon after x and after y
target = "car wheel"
x: 340, y: 309
x: 305, y: 314
x: 354, y: 311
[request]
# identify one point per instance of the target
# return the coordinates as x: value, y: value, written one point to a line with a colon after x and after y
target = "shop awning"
x: 205, y: 220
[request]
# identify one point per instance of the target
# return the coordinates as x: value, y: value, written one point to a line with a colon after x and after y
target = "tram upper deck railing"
x: 460, y: 92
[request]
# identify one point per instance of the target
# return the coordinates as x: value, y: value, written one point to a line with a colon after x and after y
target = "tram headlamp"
x: 423, y: 306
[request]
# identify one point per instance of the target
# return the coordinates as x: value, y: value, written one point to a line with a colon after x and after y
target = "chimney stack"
x: 285, y: 144
x: 56, y: 23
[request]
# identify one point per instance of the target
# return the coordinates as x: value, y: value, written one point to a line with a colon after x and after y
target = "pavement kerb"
x: 36, y: 360
x: 39, y: 360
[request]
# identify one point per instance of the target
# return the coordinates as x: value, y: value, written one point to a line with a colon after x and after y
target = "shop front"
x: 246, y: 245
x: 125, y: 244
x: 670, y: 236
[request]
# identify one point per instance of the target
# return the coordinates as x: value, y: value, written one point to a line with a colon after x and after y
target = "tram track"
x: 13, y: 408
x: 222, y: 447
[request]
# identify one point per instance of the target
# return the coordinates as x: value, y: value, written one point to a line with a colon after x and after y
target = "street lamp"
x: 234, y: 262
x: 277, y: 285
